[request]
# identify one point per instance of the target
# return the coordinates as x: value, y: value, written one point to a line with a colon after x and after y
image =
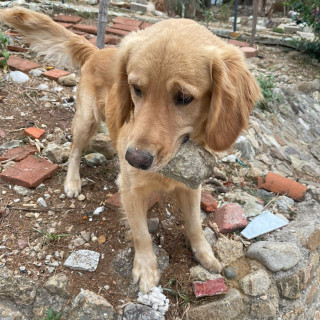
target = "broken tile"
x: 55, y: 74
x: 263, y: 223
x: 16, y: 63
x: 86, y: 28
x: 19, y: 153
x: 208, y: 202
x: 127, y: 21
x: 34, y: 132
x: 67, y: 19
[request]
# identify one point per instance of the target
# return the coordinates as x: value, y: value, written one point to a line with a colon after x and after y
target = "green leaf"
x: 3, y: 62
x: 5, y: 54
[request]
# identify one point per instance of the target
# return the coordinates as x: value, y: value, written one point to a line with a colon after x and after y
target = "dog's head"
x: 176, y: 80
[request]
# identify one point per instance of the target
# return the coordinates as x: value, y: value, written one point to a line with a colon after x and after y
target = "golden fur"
x: 168, y: 82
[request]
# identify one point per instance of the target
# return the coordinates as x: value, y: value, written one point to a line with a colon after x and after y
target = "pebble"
x: 81, y: 197
x: 98, y: 210
x: 22, y: 190
x: 83, y: 260
x: 85, y: 236
x: 230, y: 272
x: 41, y: 202
x: 17, y: 77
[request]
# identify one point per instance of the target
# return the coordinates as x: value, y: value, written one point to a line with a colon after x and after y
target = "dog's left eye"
x: 137, y: 90
x: 182, y: 99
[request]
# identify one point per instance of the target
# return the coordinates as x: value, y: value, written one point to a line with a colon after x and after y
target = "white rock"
x: 17, y: 76
x: 41, y: 202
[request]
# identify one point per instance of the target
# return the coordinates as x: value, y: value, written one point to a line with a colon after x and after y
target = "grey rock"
x: 86, y: 260
x: 210, y: 236
x: 10, y: 144
x: 23, y: 191
x: 284, y: 204
x: 122, y: 264
x: 17, y: 77
x: 228, y: 250
x: 94, y: 159
x: 134, y: 311
x: 138, y: 7
x: 85, y: 236
x: 41, y: 202
x: 58, y: 136
x: 36, y: 72
x: 255, y: 283
x: 198, y: 273
x: 58, y: 285
x: 228, y: 307
x: 275, y: 256
x: 191, y: 165
x: 153, y: 224
x: 101, y: 143
x: 54, y: 153
x: 89, y: 306
x: 77, y: 242
x: 289, y: 287
x: 243, y: 145
x: 68, y: 80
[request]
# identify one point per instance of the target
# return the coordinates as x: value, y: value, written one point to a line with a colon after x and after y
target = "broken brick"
x: 286, y: 186
x: 208, y: 203
x: 117, y: 32
x: 55, y: 74
x: 17, y: 49
x: 125, y: 27
x: 34, y: 132
x: 209, y: 288
x: 16, y: 63
x: 29, y: 172
x: 127, y: 21
x: 114, y: 202
x: 240, y: 43
x: 19, y: 153
x: 67, y: 19
x: 65, y: 25
x: 86, y: 28
x: 146, y: 25
x: 107, y: 40
x: 80, y: 33
x: 249, y: 52
x: 230, y: 217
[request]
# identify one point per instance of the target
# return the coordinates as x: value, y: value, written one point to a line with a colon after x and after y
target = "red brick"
x: 67, y: 19
x: 286, y: 186
x: 55, y: 74
x: 117, y: 32
x: 12, y: 34
x: 240, y: 43
x: 85, y: 28
x: 127, y: 21
x: 107, y: 40
x: 34, y: 132
x: 19, y: 153
x: 249, y: 52
x: 65, y: 25
x: 209, y: 288
x: 16, y: 63
x: 208, y: 203
x: 125, y: 27
x: 114, y: 202
x: 230, y: 218
x: 146, y: 25
x: 29, y: 172
x: 17, y: 49
x: 80, y: 33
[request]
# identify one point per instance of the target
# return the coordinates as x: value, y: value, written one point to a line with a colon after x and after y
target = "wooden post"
x: 254, y: 21
x: 102, y: 23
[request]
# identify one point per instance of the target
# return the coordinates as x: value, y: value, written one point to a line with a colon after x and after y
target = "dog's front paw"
x: 145, y: 270
x: 205, y: 256
x: 72, y: 187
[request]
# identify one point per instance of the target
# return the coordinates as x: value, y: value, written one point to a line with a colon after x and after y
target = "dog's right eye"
x: 137, y: 90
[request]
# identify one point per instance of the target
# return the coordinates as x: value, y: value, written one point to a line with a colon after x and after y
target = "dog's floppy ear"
x: 234, y: 93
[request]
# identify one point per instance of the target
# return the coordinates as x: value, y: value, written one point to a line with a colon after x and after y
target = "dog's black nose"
x: 139, y: 158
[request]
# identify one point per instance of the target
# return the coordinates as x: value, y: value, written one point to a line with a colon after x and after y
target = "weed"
x: 51, y: 315
x: 4, y: 54
x: 48, y: 237
x: 278, y: 30
x: 208, y: 16
x: 267, y: 85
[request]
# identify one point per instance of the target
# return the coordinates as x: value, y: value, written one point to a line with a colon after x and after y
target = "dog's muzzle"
x: 139, y: 158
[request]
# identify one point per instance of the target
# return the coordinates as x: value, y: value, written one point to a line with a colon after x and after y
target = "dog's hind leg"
x: 84, y: 126
x: 189, y: 200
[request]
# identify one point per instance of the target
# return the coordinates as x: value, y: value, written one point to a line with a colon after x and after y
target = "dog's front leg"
x: 145, y: 268
x: 189, y: 200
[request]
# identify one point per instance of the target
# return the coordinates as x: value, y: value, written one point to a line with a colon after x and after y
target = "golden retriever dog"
x: 170, y: 82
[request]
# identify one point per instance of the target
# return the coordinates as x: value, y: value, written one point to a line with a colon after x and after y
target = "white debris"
x: 155, y: 299
x: 41, y: 202
x: 230, y: 158
x: 98, y: 210
x: 43, y: 86
x: 17, y: 76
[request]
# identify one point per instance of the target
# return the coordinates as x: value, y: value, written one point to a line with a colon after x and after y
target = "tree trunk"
x: 254, y: 21
x: 102, y: 23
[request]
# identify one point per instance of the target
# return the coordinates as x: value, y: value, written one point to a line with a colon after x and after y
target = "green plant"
x: 4, y: 54
x: 50, y: 237
x: 267, y: 85
x: 310, y: 47
x: 182, y: 298
x: 208, y: 16
x: 278, y: 30
x: 51, y: 315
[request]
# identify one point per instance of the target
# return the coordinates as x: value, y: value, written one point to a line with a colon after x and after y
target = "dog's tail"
x: 47, y: 38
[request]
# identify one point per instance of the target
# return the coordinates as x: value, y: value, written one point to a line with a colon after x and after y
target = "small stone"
x: 228, y: 250
x: 275, y: 256
x: 41, y: 202
x: 94, y: 159
x: 62, y: 196
x: 85, y: 236
x: 68, y: 80
x: 81, y: 197
x: 17, y: 77
x: 230, y: 272
x: 210, y: 236
x: 22, y: 244
x: 135, y: 311
x: 58, y: 285
x: 102, y: 239
x: 98, y: 210
x: 85, y: 260
x: 208, y: 203
x: 198, y: 273
x: 36, y: 72
x: 153, y: 224
x: 23, y: 191
x: 289, y: 287
x: 77, y: 242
